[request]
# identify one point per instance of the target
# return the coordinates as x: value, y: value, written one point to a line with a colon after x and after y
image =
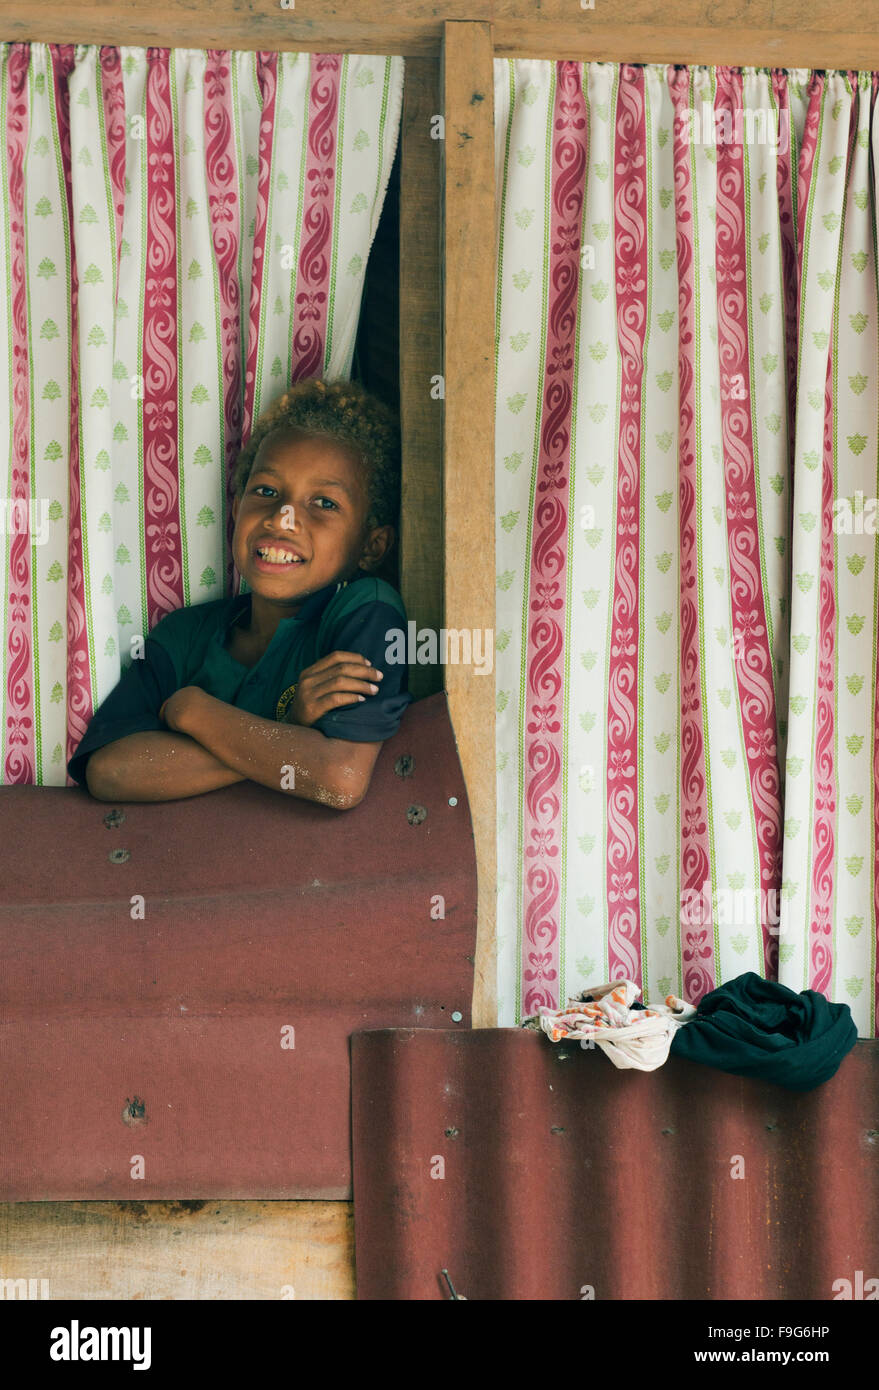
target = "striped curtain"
x: 182, y: 234
x: 688, y: 574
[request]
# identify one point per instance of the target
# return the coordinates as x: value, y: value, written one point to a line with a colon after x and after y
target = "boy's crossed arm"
x: 212, y: 744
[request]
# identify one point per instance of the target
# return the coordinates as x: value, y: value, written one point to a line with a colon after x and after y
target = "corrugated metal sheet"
x: 560, y: 1174
x: 162, y: 1037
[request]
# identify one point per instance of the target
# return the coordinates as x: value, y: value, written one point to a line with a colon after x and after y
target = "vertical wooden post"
x: 469, y: 260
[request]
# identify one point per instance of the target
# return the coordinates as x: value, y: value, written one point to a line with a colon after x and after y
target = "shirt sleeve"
x: 131, y: 708
x: 378, y: 717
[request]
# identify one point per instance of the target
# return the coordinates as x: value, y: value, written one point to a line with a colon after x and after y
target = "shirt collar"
x: 311, y: 609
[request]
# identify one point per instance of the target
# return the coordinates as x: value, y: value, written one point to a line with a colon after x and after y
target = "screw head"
x: 457, y: 1016
x: 453, y: 801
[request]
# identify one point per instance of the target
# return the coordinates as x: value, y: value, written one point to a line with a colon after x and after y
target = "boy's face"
x: 301, y: 521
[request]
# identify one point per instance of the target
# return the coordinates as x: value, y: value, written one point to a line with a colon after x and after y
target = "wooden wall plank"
x: 469, y: 265
x: 738, y: 46
x: 421, y: 358
x: 682, y: 14
x: 409, y: 27
x: 181, y: 1250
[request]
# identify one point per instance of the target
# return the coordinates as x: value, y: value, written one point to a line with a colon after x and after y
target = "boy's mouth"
x: 275, y: 557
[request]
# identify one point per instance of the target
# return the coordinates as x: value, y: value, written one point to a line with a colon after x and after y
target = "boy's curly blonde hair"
x: 347, y: 412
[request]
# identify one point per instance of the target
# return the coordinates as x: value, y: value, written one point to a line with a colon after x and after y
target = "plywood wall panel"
x: 181, y: 1250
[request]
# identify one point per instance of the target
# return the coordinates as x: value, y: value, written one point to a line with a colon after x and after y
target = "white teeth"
x: 277, y: 557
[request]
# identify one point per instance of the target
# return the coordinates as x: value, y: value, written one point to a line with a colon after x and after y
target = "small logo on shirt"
x: 285, y: 702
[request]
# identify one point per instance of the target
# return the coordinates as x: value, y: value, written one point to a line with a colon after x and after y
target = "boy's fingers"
x: 344, y: 697
x: 335, y: 683
x: 359, y: 671
x: 345, y: 670
x: 341, y: 697
x: 321, y: 705
x: 334, y: 658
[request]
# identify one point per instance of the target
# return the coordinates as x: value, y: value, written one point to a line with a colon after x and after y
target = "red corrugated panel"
x: 261, y: 912
x: 562, y: 1174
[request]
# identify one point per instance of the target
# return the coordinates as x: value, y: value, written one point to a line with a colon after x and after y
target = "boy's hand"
x: 340, y: 678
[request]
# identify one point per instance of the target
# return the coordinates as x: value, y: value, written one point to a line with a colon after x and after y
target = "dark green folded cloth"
x: 755, y: 1027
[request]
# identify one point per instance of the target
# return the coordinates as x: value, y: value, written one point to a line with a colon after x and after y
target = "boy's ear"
x: 236, y: 502
x: 377, y: 546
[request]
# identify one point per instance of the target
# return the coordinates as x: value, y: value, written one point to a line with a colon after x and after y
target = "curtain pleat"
x: 686, y: 421
x: 182, y: 234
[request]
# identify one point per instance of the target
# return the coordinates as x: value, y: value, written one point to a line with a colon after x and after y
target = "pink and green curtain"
x: 687, y: 566
x: 182, y: 234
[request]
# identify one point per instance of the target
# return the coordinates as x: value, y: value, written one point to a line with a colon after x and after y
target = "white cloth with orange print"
x: 602, y: 1016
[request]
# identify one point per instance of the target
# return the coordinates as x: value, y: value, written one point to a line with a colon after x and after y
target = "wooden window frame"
x: 447, y: 260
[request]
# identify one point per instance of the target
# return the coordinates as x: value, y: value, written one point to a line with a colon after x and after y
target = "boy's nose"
x: 285, y: 519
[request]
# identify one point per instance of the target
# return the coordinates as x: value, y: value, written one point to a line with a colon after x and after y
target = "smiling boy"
x: 288, y: 684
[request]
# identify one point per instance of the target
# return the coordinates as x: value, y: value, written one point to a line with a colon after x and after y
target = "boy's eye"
x: 266, y: 490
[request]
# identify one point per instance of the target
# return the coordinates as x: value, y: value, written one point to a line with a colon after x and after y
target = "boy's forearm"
x: 160, y: 766
x: 285, y: 757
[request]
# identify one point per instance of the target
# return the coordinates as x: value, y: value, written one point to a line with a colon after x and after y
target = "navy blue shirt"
x: 188, y: 648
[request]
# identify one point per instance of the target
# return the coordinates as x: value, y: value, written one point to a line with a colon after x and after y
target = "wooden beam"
x: 759, y: 33
x: 181, y: 1250
x: 824, y: 34
x: 409, y: 27
x: 792, y: 15
x: 469, y: 263
x: 421, y: 360
x: 732, y: 44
